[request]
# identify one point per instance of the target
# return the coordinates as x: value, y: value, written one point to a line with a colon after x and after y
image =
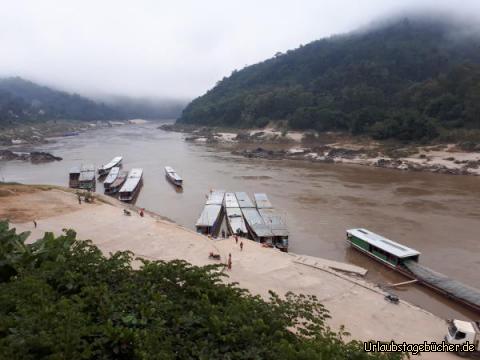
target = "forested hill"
x: 409, y: 79
x: 22, y: 100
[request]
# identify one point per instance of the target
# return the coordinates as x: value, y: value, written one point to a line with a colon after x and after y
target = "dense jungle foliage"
x: 60, y: 298
x: 410, y: 79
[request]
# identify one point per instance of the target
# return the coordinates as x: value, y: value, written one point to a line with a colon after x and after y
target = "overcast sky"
x: 171, y: 48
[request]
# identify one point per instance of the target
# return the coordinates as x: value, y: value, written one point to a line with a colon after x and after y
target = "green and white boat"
x: 388, y: 252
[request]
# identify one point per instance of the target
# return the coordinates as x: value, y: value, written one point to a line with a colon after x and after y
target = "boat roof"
x: 112, y: 175
x: 215, y: 197
x: 243, y: 200
x: 75, y: 170
x: 235, y: 218
x: 134, y: 177
x: 87, y: 173
x: 231, y: 200
x: 172, y: 173
x: 256, y: 223
x: 112, y: 162
x: 464, y: 326
x: 87, y: 167
x: 391, y: 247
x: 120, y: 178
x: 262, y: 201
x: 209, y: 215
x: 275, y: 221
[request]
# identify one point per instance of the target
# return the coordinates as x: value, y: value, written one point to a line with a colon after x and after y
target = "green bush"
x: 60, y: 298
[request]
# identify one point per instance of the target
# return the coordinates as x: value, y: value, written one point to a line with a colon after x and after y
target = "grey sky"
x: 171, y: 48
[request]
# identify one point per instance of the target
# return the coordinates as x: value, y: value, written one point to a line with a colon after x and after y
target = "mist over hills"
x: 24, y: 101
x: 408, y: 78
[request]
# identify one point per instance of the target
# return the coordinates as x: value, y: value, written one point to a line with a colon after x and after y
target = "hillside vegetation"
x: 60, y: 298
x: 23, y: 101
x: 410, y: 79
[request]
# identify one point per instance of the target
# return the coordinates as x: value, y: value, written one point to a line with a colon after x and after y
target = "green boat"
x: 386, y: 251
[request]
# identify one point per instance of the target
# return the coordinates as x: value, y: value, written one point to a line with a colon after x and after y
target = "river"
x: 439, y: 215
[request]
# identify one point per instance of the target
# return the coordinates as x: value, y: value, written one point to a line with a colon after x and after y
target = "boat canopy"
x: 87, y: 173
x: 75, y: 170
x: 262, y: 201
x: 112, y: 175
x: 114, y: 162
x: 389, y: 246
x: 215, y: 197
x: 243, y: 200
x: 235, y: 219
x: 256, y: 223
x: 172, y: 173
x: 209, y: 216
x: 231, y: 200
x: 274, y: 221
x: 134, y: 177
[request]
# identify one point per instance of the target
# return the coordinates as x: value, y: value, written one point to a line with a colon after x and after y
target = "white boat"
x: 104, y: 169
x: 111, y: 177
x: 117, y: 184
x: 172, y: 176
x: 210, y: 219
x: 132, y: 185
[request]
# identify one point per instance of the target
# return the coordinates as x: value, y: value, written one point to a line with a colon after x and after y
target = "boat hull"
x: 175, y: 182
x: 132, y: 197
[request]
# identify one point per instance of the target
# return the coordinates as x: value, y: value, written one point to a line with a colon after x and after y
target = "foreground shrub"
x: 60, y: 298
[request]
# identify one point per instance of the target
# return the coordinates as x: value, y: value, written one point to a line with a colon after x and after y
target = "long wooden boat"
x: 173, y: 177
x: 132, y: 185
x: 273, y: 220
x: 388, y: 252
x: 405, y: 260
x: 117, y: 184
x: 235, y: 221
x: 111, y: 177
x: 105, y: 169
x: 210, y: 219
x: 87, y: 180
x: 74, y: 177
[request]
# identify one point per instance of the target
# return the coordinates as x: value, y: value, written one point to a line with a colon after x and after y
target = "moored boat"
x: 235, y: 221
x: 132, y: 185
x: 210, y: 219
x: 173, y: 177
x: 388, y: 252
x: 74, y: 177
x: 111, y: 177
x: 105, y: 169
x: 87, y: 180
x: 116, y: 185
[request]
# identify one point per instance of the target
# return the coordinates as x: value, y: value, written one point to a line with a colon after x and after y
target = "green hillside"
x: 25, y: 101
x: 410, y: 79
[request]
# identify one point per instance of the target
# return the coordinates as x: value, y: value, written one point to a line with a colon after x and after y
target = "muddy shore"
x: 352, y: 301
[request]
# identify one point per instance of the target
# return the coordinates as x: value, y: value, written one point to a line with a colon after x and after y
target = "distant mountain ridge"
x: 409, y: 79
x: 24, y: 101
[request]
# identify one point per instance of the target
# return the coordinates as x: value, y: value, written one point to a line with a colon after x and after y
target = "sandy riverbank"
x: 352, y: 302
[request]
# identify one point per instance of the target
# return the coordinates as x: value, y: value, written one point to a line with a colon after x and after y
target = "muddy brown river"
x: 439, y: 215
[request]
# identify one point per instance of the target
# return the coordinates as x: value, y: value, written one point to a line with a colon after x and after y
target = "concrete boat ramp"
x: 329, y: 265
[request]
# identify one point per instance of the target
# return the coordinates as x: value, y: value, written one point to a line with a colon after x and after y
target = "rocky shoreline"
x: 35, y: 157
x: 272, y: 144
x: 327, y: 154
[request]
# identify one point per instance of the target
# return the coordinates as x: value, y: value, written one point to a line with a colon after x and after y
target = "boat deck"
x: 450, y: 287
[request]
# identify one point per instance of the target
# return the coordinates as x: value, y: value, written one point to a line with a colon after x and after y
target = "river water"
x: 439, y: 215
